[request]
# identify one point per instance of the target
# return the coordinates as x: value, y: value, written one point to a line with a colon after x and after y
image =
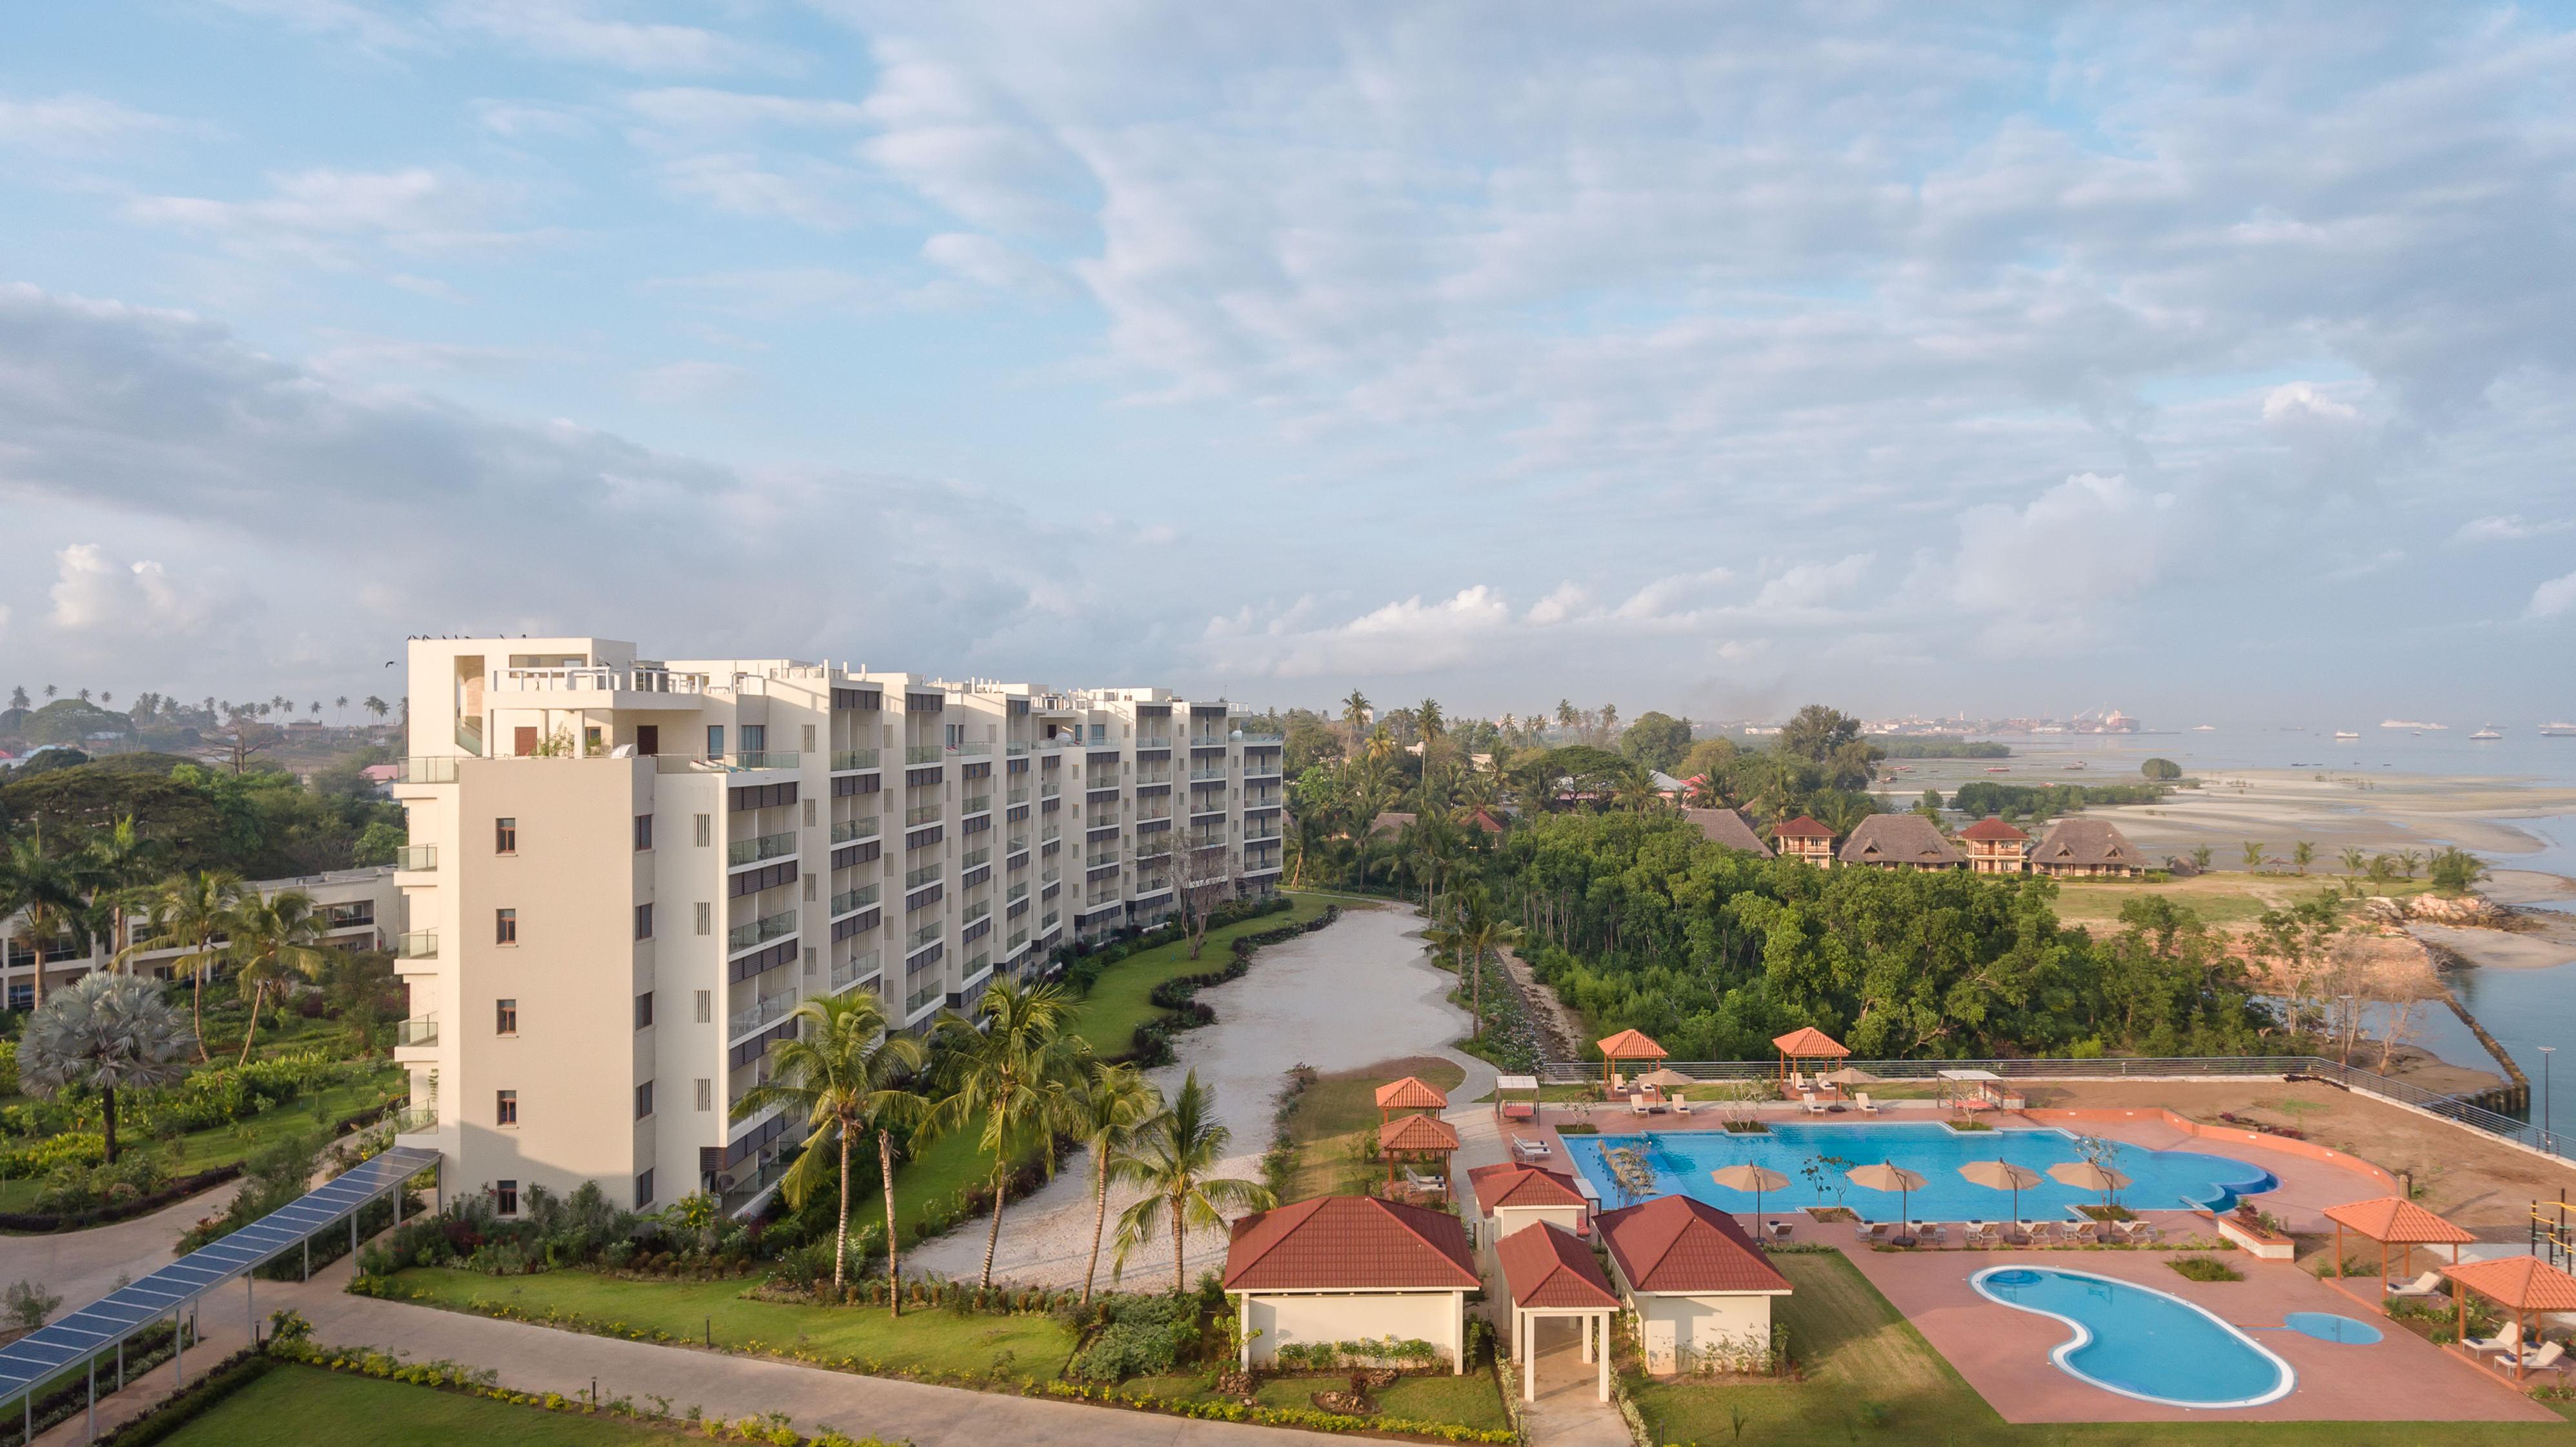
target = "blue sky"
x: 2207, y: 361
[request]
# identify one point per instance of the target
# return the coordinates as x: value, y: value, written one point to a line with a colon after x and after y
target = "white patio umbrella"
x: 1757, y: 1179
x: 1888, y: 1176
x: 2002, y: 1175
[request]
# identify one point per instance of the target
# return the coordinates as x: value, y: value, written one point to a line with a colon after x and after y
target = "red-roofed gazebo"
x: 2394, y: 1221
x: 1418, y: 1137
x: 1627, y: 1045
x: 1553, y: 1275
x: 1410, y: 1093
x: 1805, y: 1043
x: 2523, y: 1285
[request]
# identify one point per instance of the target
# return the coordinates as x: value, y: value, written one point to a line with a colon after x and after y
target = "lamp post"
x: 2545, y: 1052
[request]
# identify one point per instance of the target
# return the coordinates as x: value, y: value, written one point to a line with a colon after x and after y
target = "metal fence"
x: 2226, y: 1067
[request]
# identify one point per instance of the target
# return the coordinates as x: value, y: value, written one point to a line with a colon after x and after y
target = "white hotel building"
x: 624, y: 873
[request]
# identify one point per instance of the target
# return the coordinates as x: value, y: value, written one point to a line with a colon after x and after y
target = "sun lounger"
x: 1868, y: 1231
x: 1637, y: 1105
x: 1983, y: 1233
x: 2503, y: 1341
x: 2043, y: 1233
x: 1862, y: 1099
x: 2428, y: 1284
x: 1807, y: 1102
x: 2088, y: 1233
x: 1534, y: 1150
x: 1935, y: 1233
x: 1779, y: 1230
x: 2549, y: 1356
x: 1680, y: 1106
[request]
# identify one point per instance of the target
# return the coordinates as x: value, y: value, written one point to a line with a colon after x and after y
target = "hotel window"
x: 589, y: 741
x: 755, y: 738
x: 644, y: 1010
x: 505, y: 1017
x: 505, y: 836
x: 643, y: 1189
x: 505, y: 926
x: 505, y: 1197
x: 505, y: 1107
x: 809, y: 747
x: 644, y: 1100
x: 715, y: 741
x: 643, y: 832
x: 643, y: 921
x: 706, y: 1093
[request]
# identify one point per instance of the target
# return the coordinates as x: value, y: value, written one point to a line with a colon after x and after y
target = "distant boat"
x: 2000, y: 769
x: 2346, y: 734
x: 2204, y: 728
x: 2489, y: 732
x: 2400, y: 723
x: 2558, y: 730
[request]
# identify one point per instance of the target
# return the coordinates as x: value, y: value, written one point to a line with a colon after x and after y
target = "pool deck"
x: 2003, y: 1352
x: 2308, y: 1184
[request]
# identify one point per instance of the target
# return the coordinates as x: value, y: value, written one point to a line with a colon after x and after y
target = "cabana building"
x: 1516, y: 1197
x: 1350, y: 1268
x: 1701, y: 1290
x: 1727, y: 827
x: 1994, y: 847
x: 2087, y: 849
x: 1900, y: 841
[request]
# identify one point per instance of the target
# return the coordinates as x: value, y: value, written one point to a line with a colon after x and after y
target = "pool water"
x: 1815, y: 1158
x: 2326, y: 1326
x: 2140, y: 1342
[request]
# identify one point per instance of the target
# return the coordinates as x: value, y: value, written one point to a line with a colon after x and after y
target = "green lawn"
x: 1340, y: 1109
x: 927, y: 1339
x: 1861, y: 1357
x: 295, y: 1406
x: 1471, y: 1400
x: 223, y: 1144
x: 1106, y: 1018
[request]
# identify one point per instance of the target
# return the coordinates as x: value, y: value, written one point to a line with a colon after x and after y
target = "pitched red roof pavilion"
x: 1626, y: 1045
x: 1992, y: 830
x: 1417, y: 1133
x: 1801, y: 827
x: 1546, y: 1267
x: 2395, y: 1220
x: 1675, y: 1243
x: 1411, y: 1093
x: 1349, y: 1243
x: 1809, y: 1043
x: 1510, y: 1183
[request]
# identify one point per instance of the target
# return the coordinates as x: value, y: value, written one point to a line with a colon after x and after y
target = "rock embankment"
x: 2467, y: 911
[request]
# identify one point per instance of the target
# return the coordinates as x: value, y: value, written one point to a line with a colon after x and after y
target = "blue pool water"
x: 1682, y: 1161
x: 2140, y: 1342
x: 2326, y: 1326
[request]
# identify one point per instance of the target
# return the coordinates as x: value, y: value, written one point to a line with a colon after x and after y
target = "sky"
x: 2194, y: 360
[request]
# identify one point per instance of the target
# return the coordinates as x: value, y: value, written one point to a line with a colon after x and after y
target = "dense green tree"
x: 104, y: 1032
x: 2161, y: 769
x: 1656, y: 741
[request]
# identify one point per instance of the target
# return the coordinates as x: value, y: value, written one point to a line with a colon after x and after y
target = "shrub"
x: 2204, y: 1268
x: 1142, y: 1336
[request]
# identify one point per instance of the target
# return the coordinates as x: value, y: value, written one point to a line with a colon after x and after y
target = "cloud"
x: 1813, y: 587
x: 2299, y: 404
x: 2086, y: 544
x: 571, y: 30
x: 73, y: 124
x: 2510, y: 528
x: 988, y: 263
x: 691, y: 383
x: 807, y: 192
x: 698, y: 109
x: 323, y: 215
x: 2553, y: 598
x: 1407, y: 636
x: 1568, y: 601
x: 95, y: 594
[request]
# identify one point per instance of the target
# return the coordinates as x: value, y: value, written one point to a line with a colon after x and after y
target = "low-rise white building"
x: 1350, y: 1269
x: 1700, y: 1289
x: 361, y: 908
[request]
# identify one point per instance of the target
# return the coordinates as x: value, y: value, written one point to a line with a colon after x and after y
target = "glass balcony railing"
x: 417, y: 945
x: 763, y: 759
x: 760, y: 1014
x: 1019, y: 891
x: 923, y: 753
x: 1049, y: 921
x: 1016, y: 750
x: 1251, y: 838
x: 1019, y: 795
x: 971, y: 748
x: 849, y: 972
x: 1050, y: 834
x: 435, y: 770
x: 1019, y: 845
x: 1160, y: 741
x: 1261, y: 769
x: 850, y: 901
x: 919, y: 814
x: 849, y: 829
x: 1051, y: 791
x: 1050, y: 876
x: 980, y: 804
x: 1253, y: 738
x: 972, y: 858
x: 469, y: 735
x: 1018, y: 938
x: 975, y: 912
x: 416, y: 857
x: 845, y: 760
x: 1208, y: 776
x: 927, y: 934
x: 414, y: 1120
x: 760, y: 931
x: 420, y: 1031
x: 916, y: 878
x: 1101, y: 861
x: 766, y: 846
x: 922, y: 997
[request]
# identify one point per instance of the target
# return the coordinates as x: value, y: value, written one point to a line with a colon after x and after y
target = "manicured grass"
x: 295, y: 1406
x: 1339, y: 1110
x: 928, y: 1339
x: 1862, y: 1359
x: 1106, y: 1018
x: 220, y: 1145
x: 1471, y: 1400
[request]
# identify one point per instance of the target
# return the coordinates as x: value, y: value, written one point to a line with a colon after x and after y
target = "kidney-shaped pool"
x: 2140, y: 1342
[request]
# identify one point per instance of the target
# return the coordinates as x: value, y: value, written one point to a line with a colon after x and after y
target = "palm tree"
x: 1104, y: 1113
x: 2411, y: 860
x: 376, y: 706
x: 340, y: 706
x: 1477, y: 932
x: 192, y: 911
x: 117, y: 863
x: 1171, y: 1159
x: 104, y: 1031
x: 271, y: 940
x: 2353, y: 861
x: 2303, y: 854
x: 47, y: 894
x: 1009, y: 1076
x: 1355, y: 713
x: 841, y: 1074
x: 2253, y: 856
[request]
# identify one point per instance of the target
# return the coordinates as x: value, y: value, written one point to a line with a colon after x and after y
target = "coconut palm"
x: 2354, y: 860
x: 1355, y: 713
x: 2303, y: 854
x: 1007, y: 1072
x: 2411, y: 860
x: 840, y: 1075
x: 1475, y: 932
x: 272, y: 940
x: 103, y: 1032
x: 47, y: 893
x: 1171, y: 1160
x: 190, y: 912
x: 1103, y: 1113
x: 2253, y: 856
x: 117, y: 863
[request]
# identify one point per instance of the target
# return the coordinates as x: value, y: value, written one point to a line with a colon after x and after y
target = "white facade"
x: 1272, y: 1319
x: 624, y: 873
x: 362, y: 910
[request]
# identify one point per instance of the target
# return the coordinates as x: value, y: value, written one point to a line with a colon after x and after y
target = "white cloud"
x: 2301, y: 403
x: 95, y: 594
x: 1408, y: 636
x: 691, y: 383
x: 988, y: 262
x: 2510, y: 528
x: 2089, y: 542
x: 320, y: 215
x: 74, y: 124
x: 698, y: 109
x: 361, y: 25
x: 807, y: 192
x: 1814, y: 587
x: 2553, y: 598
x: 571, y: 30
x: 1568, y: 601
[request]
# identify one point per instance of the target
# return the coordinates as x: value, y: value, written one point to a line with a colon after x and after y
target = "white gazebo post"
x: 1529, y: 1357
x: 1603, y: 1357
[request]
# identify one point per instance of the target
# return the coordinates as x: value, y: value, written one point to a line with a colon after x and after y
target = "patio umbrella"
x: 1887, y: 1176
x: 1852, y: 1075
x: 1665, y: 1077
x: 2086, y: 1176
x: 2002, y: 1175
x: 1757, y: 1179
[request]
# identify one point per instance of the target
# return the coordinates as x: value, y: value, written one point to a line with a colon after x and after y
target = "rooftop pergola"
x: 2394, y: 1221
x: 1418, y: 1137
x: 1627, y: 1045
x: 2524, y: 1285
x: 1803, y: 1044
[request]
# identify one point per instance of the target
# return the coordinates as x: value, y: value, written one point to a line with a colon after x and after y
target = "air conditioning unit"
x: 724, y: 1182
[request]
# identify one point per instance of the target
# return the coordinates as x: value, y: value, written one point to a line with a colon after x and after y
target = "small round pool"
x: 2326, y: 1326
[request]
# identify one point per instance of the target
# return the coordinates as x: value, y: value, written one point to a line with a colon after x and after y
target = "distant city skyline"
x: 2204, y: 361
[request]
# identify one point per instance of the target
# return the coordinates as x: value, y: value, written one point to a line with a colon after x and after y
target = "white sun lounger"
x: 1861, y: 1098
x: 1807, y: 1102
x: 2503, y: 1341
x: 2428, y: 1284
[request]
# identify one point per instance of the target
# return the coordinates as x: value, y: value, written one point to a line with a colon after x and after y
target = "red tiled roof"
x: 1411, y: 1093
x: 1513, y: 1184
x: 1631, y: 1045
x: 1801, y: 827
x: 1544, y: 1266
x: 2517, y: 1283
x: 2397, y: 1221
x: 1674, y: 1243
x: 1417, y: 1133
x: 1349, y: 1243
x: 1808, y: 1042
x: 1991, y: 830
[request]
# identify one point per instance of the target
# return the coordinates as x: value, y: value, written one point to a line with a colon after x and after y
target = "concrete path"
x: 84, y: 1265
x: 1569, y: 1411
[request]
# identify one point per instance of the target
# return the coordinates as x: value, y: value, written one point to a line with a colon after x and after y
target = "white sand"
x: 1357, y: 992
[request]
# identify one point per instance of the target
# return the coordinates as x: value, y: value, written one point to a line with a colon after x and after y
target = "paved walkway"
x: 84, y: 1265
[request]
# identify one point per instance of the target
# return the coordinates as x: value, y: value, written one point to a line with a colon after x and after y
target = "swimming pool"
x: 1681, y: 1162
x: 2140, y: 1342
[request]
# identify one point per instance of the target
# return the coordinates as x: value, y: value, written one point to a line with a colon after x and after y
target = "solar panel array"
x: 119, y: 1314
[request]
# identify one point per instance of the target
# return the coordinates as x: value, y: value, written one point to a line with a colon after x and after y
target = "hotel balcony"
x: 416, y: 858
x: 759, y: 1015
x: 767, y: 846
x: 601, y: 688
x: 417, y: 945
x: 849, y: 761
x: 849, y: 829
x: 851, y: 971
x: 851, y: 901
x: 417, y: 1033
x: 754, y: 933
